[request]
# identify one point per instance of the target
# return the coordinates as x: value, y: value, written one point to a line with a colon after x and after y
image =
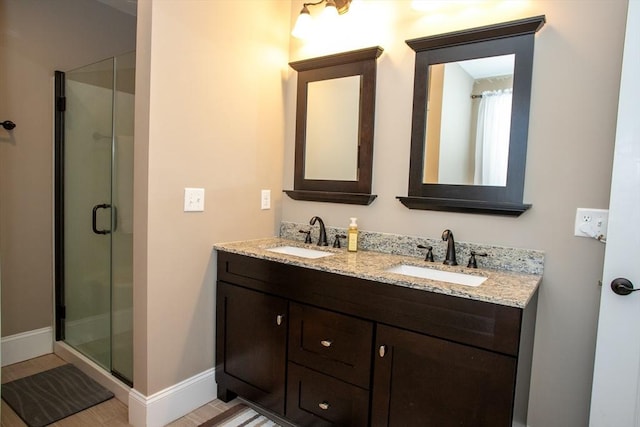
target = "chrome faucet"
x: 450, y: 259
x: 322, y: 238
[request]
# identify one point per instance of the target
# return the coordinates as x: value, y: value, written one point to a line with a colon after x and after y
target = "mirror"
x: 470, y: 119
x: 331, y: 152
x: 335, y: 109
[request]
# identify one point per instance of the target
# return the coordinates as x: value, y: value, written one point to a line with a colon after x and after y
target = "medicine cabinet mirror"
x: 335, y: 111
x: 470, y: 121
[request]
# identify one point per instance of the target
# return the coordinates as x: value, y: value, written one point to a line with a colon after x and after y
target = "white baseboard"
x: 27, y: 345
x: 174, y: 402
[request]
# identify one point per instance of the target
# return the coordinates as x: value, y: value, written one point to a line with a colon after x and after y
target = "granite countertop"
x: 501, y: 287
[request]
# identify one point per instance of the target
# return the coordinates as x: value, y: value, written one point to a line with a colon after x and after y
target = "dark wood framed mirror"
x: 335, y: 114
x: 470, y: 122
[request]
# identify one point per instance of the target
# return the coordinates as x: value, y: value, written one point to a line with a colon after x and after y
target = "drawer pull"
x: 382, y: 350
x: 326, y: 343
x: 279, y: 319
x: 324, y: 405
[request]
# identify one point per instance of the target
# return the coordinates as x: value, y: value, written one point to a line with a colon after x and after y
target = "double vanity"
x: 321, y: 336
x: 380, y: 337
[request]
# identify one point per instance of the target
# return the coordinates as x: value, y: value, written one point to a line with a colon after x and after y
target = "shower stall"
x: 94, y: 212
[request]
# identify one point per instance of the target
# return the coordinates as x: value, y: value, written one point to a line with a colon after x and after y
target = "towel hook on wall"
x: 8, y: 124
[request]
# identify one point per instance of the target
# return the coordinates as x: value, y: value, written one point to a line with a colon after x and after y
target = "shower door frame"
x: 59, y: 219
x: 60, y: 107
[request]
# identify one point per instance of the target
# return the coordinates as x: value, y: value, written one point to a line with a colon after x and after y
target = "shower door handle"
x: 94, y: 218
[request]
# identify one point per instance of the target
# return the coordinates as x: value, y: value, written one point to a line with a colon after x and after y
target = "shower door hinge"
x: 61, y: 103
x: 62, y: 312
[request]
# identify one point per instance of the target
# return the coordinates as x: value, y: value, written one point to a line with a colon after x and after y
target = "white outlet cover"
x: 194, y: 199
x: 265, y: 199
x: 591, y: 222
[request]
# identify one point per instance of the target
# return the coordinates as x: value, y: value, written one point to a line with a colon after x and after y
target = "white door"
x: 615, y: 399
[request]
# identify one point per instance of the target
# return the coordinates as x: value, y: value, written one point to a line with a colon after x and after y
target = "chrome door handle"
x: 326, y: 343
x: 324, y: 405
x: 279, y: 319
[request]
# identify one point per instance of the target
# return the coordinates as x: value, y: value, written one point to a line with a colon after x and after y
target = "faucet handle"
x: 307, y: 238
x: 336, y: 241
x: 472, y: 259
x: 429, y: 256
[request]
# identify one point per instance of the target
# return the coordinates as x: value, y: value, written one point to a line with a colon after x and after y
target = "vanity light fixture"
x: 332, y: 9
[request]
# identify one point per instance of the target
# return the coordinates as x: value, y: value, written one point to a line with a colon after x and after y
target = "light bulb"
x: 329, y: 15
x: 303, y: 25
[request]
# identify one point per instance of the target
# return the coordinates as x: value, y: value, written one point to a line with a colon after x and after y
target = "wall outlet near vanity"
x: 591, y: 223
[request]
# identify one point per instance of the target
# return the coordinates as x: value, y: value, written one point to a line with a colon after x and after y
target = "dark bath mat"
x: 51, y: 395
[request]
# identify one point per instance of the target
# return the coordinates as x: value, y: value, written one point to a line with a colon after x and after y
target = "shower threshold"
x: 95, y: 371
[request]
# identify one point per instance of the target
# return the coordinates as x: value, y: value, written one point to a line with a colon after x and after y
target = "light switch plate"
x: 265, y: 199
x: 194, y: 199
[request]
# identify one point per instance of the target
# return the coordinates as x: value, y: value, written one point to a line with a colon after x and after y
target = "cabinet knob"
x: 382, y: 350
x: 326, y: 343
x: 324, y: 405
x: 279, y: 319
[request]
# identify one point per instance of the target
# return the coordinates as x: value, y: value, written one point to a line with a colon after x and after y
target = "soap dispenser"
x: 352, y: 236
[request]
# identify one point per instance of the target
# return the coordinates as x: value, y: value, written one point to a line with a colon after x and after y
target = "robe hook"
x: 8, y: 124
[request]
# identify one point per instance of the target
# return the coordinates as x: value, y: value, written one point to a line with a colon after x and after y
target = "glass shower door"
x: 97, y: 196
x: 87, y: 208
x: 122, y: 237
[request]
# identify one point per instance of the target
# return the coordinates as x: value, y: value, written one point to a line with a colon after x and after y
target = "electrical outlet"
x: 194, y: 199
x: 265, y: 199
x: 591, y: 223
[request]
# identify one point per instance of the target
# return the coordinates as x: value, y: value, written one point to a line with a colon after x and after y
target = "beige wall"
x: 36, y: 38
x: 209, y: 113
x: 210, y: 97
x: 573, y: 108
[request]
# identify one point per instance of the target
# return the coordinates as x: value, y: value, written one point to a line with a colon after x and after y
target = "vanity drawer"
x: 335, y: 344
x: 315, y: 399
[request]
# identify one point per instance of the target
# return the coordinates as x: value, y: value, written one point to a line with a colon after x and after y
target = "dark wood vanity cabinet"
x: 251, y: 346
x: 354, y: 352
x: 419, y: 378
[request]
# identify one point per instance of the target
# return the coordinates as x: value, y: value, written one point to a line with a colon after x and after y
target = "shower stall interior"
x: 94, y: 211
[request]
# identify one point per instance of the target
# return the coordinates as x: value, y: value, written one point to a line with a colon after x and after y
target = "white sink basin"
x: 300, y: 252
x: 433, y: 274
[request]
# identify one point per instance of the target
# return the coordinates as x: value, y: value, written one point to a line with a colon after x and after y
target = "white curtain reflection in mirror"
x: 492, y: 138
x: 468, y: 122
x: 331, y: 149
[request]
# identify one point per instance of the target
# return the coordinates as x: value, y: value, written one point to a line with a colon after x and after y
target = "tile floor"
x: 111, y: 413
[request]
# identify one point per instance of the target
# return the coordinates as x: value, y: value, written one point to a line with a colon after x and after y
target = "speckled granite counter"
x: 501, y: 287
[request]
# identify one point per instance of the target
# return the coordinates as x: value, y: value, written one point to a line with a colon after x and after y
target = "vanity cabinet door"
x: 425, y: 381
x: 251, y: 343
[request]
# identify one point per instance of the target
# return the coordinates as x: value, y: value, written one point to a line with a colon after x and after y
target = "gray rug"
x: 51, y: 395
